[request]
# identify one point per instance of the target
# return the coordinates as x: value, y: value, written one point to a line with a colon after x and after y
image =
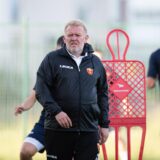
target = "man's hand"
x: 103, y: 134
x: 19, y: 109
x: 150, y: 82
x: 63, y: 119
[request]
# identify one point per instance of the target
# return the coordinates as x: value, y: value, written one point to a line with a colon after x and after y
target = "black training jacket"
x: 79, y: 92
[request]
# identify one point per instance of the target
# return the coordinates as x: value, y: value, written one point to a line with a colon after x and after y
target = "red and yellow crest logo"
x: 89, y: 71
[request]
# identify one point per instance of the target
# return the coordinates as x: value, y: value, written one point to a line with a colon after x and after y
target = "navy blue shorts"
x: 36, y: 137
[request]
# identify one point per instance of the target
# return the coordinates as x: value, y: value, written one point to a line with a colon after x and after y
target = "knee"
x: 27, y: 152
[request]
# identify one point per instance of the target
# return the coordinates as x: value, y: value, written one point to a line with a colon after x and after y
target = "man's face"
x: 75, y: 37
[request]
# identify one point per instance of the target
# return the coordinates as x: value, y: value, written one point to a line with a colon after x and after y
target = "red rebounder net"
x: 127, y: 95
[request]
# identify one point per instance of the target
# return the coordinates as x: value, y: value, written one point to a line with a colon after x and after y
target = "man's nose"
x: 74, y: 37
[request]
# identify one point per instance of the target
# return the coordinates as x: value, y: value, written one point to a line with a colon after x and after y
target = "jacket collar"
x: 87, y: 48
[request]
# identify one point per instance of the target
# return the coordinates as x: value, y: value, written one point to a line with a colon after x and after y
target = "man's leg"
x: 59, y: 145
x: 33, y: 143
x: 28, y: 150
x: 87, y: 146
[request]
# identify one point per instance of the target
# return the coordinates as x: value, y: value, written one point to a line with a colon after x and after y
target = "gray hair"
x: 76, y: 23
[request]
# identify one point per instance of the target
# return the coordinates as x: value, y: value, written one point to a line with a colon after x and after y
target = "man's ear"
x: 64, y: 39
x: 87, y: 37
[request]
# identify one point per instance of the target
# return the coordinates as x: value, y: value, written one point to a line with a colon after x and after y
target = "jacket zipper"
x: 79, y: 110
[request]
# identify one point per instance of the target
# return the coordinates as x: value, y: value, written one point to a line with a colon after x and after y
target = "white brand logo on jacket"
x: 52, y: 156
x: 65, y: 66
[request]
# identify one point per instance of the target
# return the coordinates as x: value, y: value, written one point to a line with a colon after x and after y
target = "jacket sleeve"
x: 152, y: 69
x: 102, y: 89
x: 43, y: 87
